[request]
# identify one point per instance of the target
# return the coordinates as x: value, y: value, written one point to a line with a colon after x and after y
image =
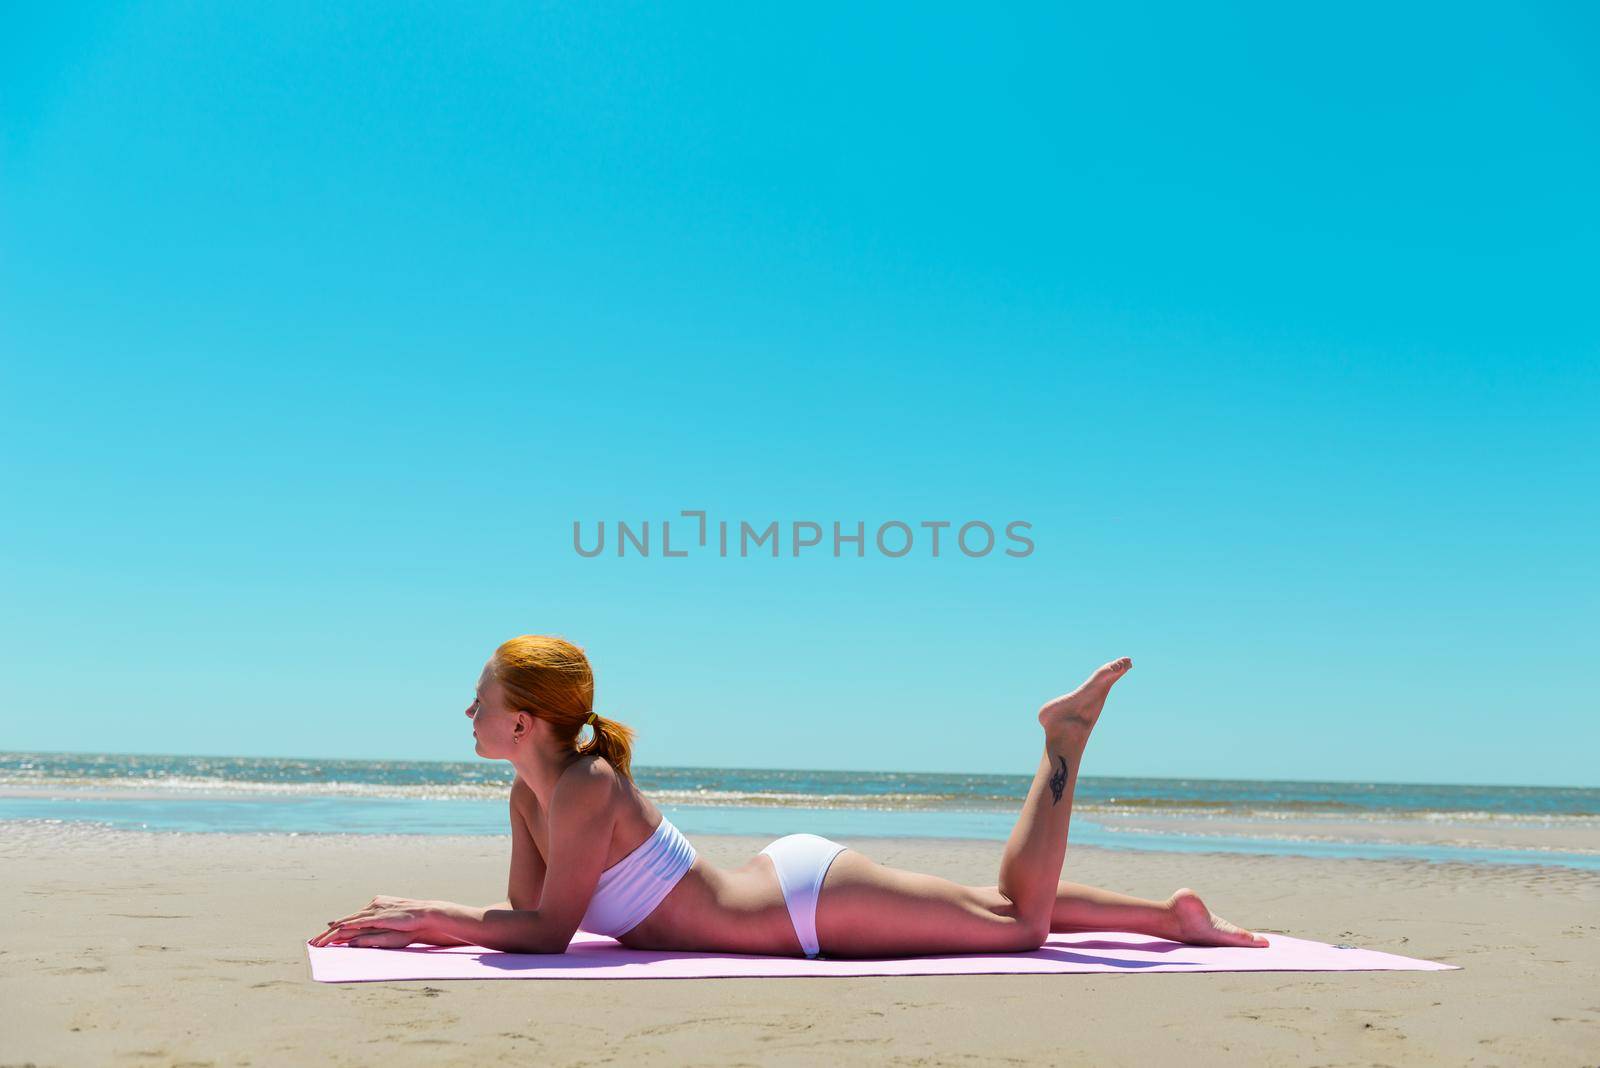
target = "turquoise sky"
x: 320, y: 327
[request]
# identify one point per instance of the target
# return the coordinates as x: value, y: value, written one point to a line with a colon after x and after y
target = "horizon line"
x: 857, y: 771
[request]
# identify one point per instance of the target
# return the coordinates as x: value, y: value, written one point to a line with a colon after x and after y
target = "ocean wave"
x: 1184, y: 810
x: 175, y: 776
x: 497, y: 791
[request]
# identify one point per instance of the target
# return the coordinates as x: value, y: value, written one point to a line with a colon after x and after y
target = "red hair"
x: 550, y: 678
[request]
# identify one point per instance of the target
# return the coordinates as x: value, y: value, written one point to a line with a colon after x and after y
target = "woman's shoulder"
x: 525, y: 803
x: 592, y: 777
x: 597, y: 764
x: 595, y: 782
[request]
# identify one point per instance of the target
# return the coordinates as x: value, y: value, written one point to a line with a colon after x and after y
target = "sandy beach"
x: 187, y: 949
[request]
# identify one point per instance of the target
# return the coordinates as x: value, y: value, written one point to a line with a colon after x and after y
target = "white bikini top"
x: 631, y: 888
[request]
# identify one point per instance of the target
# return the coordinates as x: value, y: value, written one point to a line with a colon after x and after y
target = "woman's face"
x: 494, y: 727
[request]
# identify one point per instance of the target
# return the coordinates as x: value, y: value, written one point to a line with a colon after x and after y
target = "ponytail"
x: 612, y: 740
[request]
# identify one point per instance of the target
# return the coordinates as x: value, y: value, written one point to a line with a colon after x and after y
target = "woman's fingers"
x: 368, y: 913
x: 342, y: 930
x: 392, y: 915
x: 340, y: 935
x: 380, y: 904
x: 325, y: 937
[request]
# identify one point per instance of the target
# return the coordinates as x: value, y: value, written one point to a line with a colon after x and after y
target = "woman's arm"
x: 506, y: 929
x: 525, y: 885
x: 526, y: 881
x: 580, y: 834
x: 439, y: 938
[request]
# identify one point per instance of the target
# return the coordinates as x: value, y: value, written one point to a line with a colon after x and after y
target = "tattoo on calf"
x: 1058, y: 781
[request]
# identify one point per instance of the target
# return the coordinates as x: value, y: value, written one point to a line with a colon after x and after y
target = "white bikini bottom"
x: 802, y: 860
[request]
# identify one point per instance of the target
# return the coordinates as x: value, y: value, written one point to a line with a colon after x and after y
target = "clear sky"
x: 320, y: 325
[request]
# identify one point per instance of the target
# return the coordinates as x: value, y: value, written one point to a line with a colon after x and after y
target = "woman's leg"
x: 867, y: 909
x: 1089, y: 908
x: 1030, y: 869
x: 1183, y: 917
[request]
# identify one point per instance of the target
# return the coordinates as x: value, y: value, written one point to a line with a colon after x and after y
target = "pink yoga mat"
x: 592, y: 956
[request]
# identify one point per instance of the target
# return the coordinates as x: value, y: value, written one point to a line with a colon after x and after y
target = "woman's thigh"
x: 867, y: 909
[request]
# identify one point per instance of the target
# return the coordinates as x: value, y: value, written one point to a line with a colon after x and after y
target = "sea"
x: 209, y: 794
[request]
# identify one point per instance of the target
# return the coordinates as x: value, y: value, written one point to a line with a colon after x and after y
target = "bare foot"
x: 1078, y: 710
x: 1199, y: 926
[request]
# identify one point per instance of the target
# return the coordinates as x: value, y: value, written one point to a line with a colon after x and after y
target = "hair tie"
x: 592, y: 718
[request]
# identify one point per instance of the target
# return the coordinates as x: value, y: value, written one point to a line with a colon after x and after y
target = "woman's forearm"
x: 498, y: 927
x: 439, y: 938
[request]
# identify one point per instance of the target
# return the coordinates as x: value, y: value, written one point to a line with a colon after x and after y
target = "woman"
x: 589, y: 850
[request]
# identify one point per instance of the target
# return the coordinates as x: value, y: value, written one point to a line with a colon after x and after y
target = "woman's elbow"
x: 552, y: 946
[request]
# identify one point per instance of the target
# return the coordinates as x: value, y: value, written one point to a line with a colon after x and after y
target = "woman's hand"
x: 386, y: 923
